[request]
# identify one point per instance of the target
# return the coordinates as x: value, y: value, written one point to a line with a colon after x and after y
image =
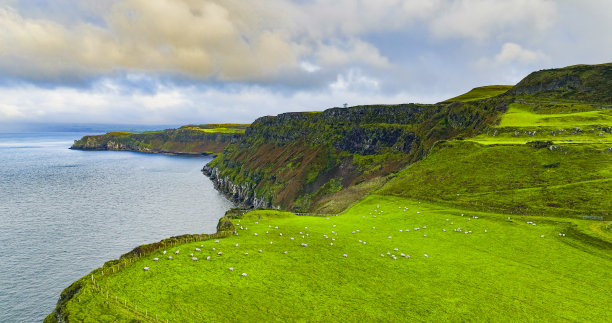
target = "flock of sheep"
x: 332, y: 235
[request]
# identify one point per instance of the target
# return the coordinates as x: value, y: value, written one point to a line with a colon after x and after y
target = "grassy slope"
x: 570, y: 180
x: 482, y: 92
x: 576, y: 123
x: 505, y: 273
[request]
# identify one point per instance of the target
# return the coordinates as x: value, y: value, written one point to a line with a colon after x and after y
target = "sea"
x: 65, y: 212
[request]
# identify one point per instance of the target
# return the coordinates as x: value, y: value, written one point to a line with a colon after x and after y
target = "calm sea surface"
x: 64, y: 213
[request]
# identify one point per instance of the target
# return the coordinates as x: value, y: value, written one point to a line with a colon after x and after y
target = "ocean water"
x: 64, y: 213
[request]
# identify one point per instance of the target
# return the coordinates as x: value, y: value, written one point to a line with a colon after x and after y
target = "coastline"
x: 225, y: 228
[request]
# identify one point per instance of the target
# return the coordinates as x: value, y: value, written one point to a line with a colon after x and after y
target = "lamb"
x: 164, y: 252
x: 146, y: 268
x: 177, y: 252
x: 244, y: 274
x: 197, y: 249
x: 194, y: 258
x: 155, y: 259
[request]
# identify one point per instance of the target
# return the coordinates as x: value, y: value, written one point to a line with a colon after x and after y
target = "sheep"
x: 333, y: 226
x: 216, y: 241
x: 345, y: 255
x: 260, y: 251
x: 207, y: 257
x: 333, y: 239
x: 373, y: 228
x: 194, y: 258
x: 219, y: 253
x: 382, y: 255
x: 270, y: 242
x: 426, y: 256
x: 155, y: 259
x: 395, y: 249
x: 198, y: 249
x: 444, y: 230
x: 364, y: 242
x: 244, y: 274
x: 164, y: 252
x: 214, y: 249
x: 146, y: 268
x: 231, y: 268
x: 280, y: 234
x: 177, y: 252
x: 169, y: 257
x: 190, y: 255
x: 401, y: 230
x: 390, y: 237
x: 255, y: 234
x: 542, y: 236
x: 292, y: 238
x: 331, y: 243
x: 305, y: 228
x: 246, y: 253
x: 285, y: 252
x: 236, y: 245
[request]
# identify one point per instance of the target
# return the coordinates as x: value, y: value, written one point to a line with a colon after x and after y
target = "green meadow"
x: 560, y: 123
x: 405, y: 260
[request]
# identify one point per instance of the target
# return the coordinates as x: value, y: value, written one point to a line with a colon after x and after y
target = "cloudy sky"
x: 207, y: 61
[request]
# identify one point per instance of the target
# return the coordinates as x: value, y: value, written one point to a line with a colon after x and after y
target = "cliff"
x: 324, y: 161
x: 586, y: 83
x: 187, y: 140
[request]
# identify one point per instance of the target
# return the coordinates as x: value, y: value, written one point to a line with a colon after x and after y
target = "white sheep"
x: 207, y: 257
x: 426, y: 256
x: 260, y: 250
x: 164, y: 252
x: 219, y: 253
x: 345, y: 255
x: 285, y: 252
x: 198, y: 249
x: 169, y: 257
x: 194, y: 258
x: 244, y: 274
x: 246, y: 253
x: 146, y: 268
x: 177, y: 252
x: 231, y: 268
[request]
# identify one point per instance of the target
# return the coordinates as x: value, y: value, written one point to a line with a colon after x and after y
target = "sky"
x: 213, y: 61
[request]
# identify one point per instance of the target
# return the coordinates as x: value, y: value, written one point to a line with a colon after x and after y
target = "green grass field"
x: 502, y: 270
x: 560, y: 123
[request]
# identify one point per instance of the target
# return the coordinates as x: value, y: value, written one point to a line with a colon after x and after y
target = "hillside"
x: 324, y: 161
x: 186, y: 140
x: 488, y: 210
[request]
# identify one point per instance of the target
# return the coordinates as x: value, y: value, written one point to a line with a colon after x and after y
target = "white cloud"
x: 484, y: 19
x: 512, y: 52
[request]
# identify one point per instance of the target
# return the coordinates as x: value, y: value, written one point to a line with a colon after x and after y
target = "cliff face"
x: 587, y: 83
x: 190, y: 140
x: 298, y: 160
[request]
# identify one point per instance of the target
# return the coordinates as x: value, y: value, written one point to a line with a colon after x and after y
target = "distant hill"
x: 186, y: 140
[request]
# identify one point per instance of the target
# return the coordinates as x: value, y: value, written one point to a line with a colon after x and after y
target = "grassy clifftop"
x: 189, y: 139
